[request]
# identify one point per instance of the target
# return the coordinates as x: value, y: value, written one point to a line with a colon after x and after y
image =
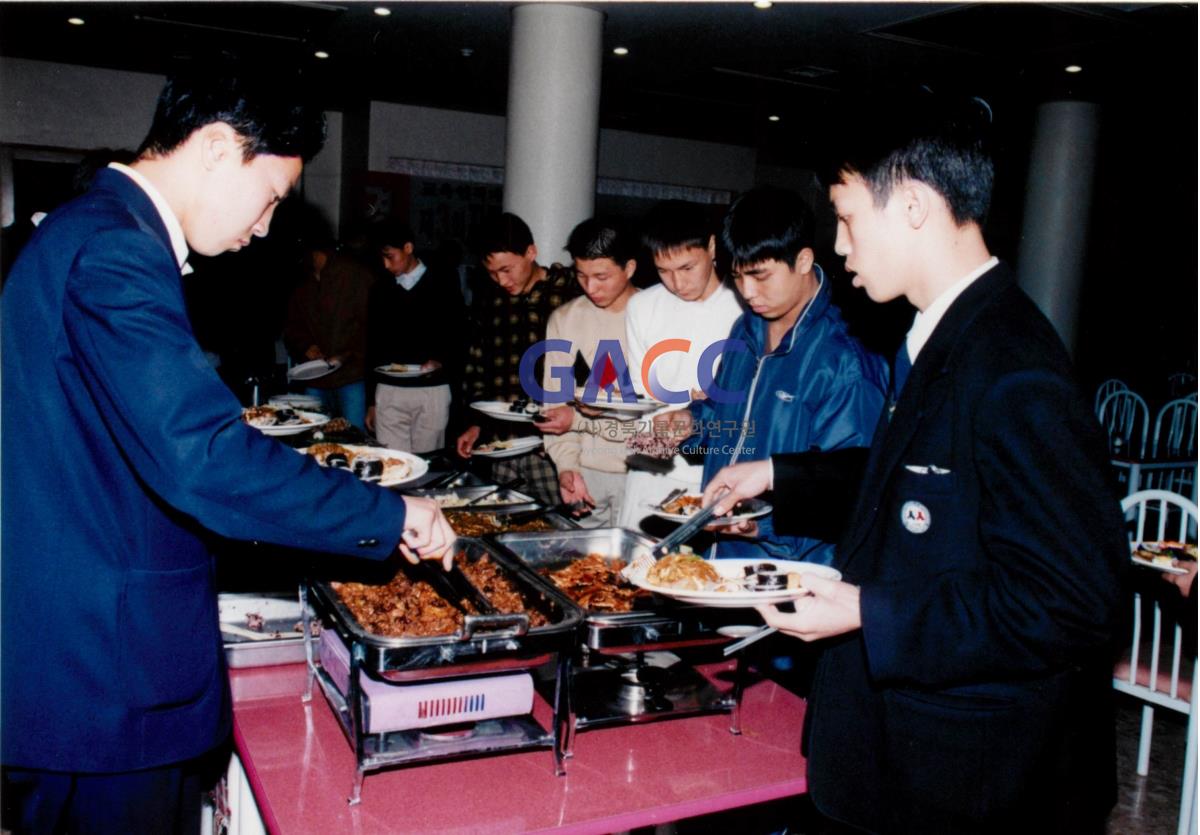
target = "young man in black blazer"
x: 965, y: 680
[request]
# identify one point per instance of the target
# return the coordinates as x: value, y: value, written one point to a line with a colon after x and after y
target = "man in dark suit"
x: 964, y: 683
x: 123, y: 452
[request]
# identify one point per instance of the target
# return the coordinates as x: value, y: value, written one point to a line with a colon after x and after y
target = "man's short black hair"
x: 601, y: 238
x: 505, y: 233
x: 766, y: 224
x: 939, y: 141
x: 393, y: 233
x: 673, y: 225
x: 264, y: 109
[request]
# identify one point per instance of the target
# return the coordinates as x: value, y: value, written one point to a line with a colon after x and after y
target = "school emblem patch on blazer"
x: 915, y: 517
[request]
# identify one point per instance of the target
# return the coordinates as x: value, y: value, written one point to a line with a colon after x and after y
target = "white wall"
x: 424, y: 133
x: 68, y: 106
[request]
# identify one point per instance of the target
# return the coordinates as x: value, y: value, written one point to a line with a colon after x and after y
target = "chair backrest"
x: 1179, y: 438
x: 1157, y: 516
x: 1181, y: 384
x: 1106, y: 388
x: 1125, y: 418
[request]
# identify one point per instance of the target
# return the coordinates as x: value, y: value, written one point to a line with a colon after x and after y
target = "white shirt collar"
x: 174, y: 229
x: 926, y: 320
x: 409, y: 279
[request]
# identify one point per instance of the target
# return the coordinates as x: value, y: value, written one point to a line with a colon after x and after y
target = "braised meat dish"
x: 477, y: 524
x: 595, y: 583
x: 407, y: 608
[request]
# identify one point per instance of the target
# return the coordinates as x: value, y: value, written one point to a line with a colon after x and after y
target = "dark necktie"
x: 900, y: 369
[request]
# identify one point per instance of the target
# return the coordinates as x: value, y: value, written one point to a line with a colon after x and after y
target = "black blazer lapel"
x: 927, y: 385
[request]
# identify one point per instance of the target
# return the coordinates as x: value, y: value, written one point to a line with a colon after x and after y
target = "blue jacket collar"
x: 138, y: 202
x: 752, y: 329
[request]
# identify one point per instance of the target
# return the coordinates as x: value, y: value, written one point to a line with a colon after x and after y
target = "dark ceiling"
x: 712, y: 71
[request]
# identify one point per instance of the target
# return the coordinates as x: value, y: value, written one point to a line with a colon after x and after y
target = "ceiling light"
x: 762, y: 4
x: 382, y: 11
x: 772, y: 118
x: 620, y: 50
x: 75, y: 21
x: 1073, y: 68
x: 466, y: 52
x: 320, y: 53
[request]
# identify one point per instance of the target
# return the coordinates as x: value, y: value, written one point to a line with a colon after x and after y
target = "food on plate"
x: 407, y: 608
x: 449, y: 500
x: 595, y: 583
x: 684, y: 505
x: 261, y: 416
x: 364, y: 462
x: 402, y: 367
x: 494, y: 446
x: 1164, y: 554
x: 687, y: 572
x: 477, y: 524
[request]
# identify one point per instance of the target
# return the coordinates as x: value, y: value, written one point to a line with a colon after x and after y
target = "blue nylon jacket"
x: 820, y: 389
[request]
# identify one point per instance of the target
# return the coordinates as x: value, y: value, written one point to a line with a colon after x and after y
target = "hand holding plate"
x: 831, y: 608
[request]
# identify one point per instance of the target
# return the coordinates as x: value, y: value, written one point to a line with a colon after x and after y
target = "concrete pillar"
x: 553, y: 121
x: 1058, y: 203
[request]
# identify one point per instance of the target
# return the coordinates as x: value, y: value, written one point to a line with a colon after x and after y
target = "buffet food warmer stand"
x: 627, y: 670
x: 435, y: 686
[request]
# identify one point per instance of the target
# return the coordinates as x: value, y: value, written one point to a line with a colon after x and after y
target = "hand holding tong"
x: 643, y: 561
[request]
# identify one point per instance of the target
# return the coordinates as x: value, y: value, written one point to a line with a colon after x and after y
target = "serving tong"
x: 506, y: 485
x: 454, y: 586
x: 643, y: 561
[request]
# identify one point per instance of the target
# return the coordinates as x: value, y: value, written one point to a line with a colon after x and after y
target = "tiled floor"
x: 1148, y: 805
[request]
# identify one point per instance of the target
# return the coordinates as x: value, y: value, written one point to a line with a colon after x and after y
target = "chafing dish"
x: 627, y: 669
x: 507, y: 500
x: 489, y: 643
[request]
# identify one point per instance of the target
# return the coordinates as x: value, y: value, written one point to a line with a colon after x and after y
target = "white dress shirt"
x: 926, y: 320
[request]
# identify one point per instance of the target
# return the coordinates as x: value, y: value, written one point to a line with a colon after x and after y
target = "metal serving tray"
x: 279, y: 642
x: 487, y: 643
x: 505, y: 501
x: 655, y: 622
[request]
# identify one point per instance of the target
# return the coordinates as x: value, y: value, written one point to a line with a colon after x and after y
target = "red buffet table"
x: 300, y: 768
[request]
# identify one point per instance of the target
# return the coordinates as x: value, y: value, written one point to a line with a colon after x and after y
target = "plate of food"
x: 378, y: 465
x: 282, y: 420
x: 402, y: 371
x: 684, y: 507
x: 1163, y: 556
x: 520, y: 411
x: 313, y: 369
x: 606, y: 404
x: 303, y: 402
x: 507, y: 449
x: 729, y: 583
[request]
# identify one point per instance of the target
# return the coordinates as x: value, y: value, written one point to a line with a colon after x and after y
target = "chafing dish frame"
x: 668, y: 625
x: 487, y: 644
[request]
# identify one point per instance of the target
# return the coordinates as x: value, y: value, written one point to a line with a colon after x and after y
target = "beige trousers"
x: 412, y: 419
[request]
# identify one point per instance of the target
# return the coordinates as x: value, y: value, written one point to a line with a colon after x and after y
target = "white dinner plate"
x: 508, y: 449
x: 745, y: 509
x: 307, y: 402
x: 739, y: 600
x: 416, y: 466
x: 1172, y: 568
x: 402, y: 371
x: 500, y: 410
x: 313, y: 369
x: 312, y: 421
x: 618, y: 406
